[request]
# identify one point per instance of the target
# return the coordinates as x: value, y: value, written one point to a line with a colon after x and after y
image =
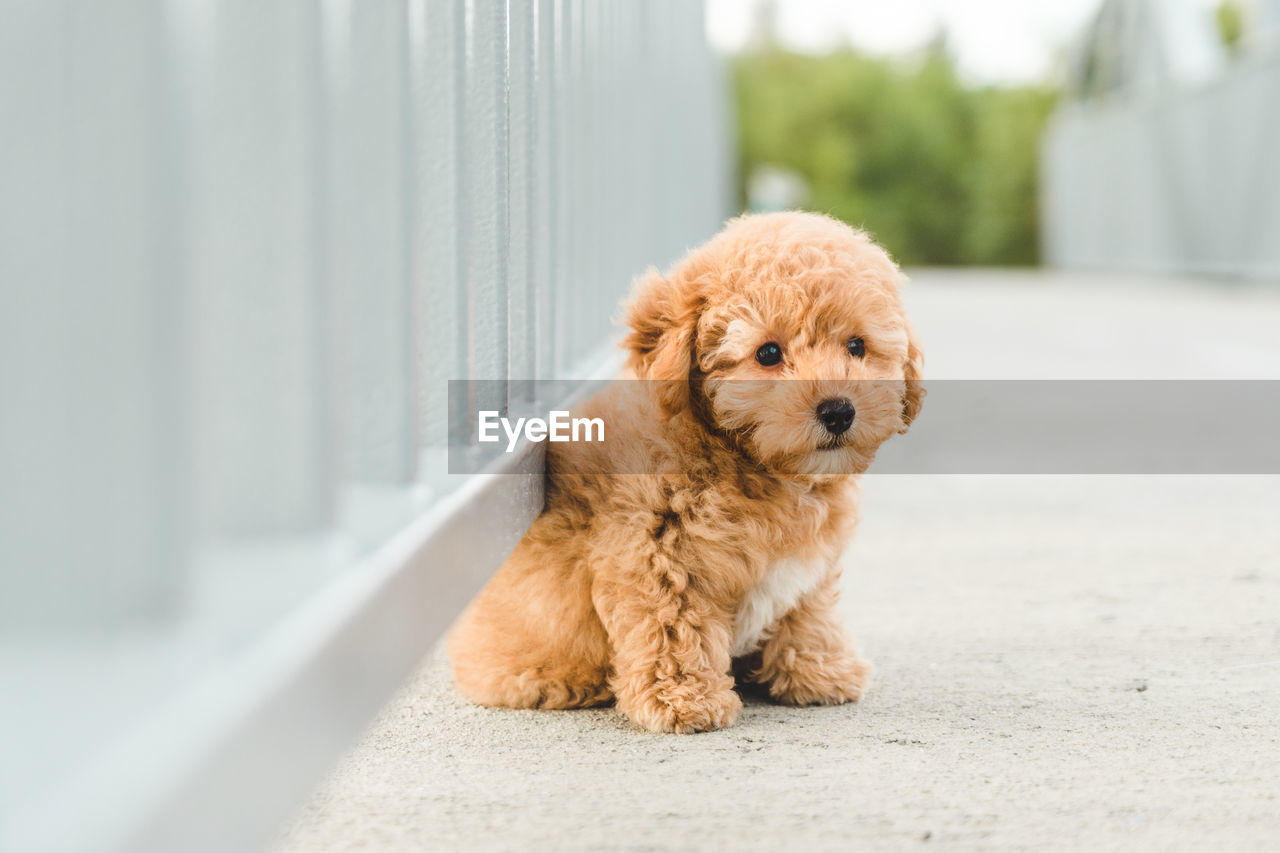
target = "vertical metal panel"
x: 546, y: 139
x: 522, y: 134
x: 642, y: 150
x: 629, y: 141
x: 1176, y: 180
x: 592, y: 184
x: 366, y: 240
x: 1262, y: 204
x: 90, y: 375
x: 435, y: 76
x: 484, y: 198
x: 569, y: 172
x: 262, y: 419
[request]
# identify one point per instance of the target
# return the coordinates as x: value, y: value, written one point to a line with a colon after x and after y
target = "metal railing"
x: 243, y: 247
x: 1163, y: 158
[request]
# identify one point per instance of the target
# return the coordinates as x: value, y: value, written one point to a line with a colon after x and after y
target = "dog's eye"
x: 857, y: 348
x: 769, y: 354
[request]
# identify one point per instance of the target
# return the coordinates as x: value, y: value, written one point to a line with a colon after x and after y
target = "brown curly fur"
x: 631, y: 586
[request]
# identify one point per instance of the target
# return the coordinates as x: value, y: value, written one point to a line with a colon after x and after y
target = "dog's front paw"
x: 819, y: 678
x: 685, y: 713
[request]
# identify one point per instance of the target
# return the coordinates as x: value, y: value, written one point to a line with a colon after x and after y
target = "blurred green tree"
x: 939, y: 172
x: 1229, y: 16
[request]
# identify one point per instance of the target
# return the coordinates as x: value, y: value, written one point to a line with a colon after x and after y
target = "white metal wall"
x: 243, y: 246
x: 1162, y: 171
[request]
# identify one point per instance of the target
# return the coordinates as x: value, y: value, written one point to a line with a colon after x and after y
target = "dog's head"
x: 786, y: 332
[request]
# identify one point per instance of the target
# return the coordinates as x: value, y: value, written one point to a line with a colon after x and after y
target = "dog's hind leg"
x: 532, y: 639
x: 537, y: 687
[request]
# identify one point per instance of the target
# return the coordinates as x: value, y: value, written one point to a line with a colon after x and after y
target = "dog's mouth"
x: 832, y: 444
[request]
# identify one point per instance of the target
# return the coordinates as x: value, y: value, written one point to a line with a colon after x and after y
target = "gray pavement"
x: 1068, y: 662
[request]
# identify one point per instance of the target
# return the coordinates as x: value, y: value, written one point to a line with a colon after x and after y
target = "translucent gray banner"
x: 965, y: 426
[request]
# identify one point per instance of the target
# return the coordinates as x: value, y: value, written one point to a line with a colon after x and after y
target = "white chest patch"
x: 787, y: 581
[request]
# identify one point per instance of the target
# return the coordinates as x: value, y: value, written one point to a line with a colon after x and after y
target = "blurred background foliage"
x: 940, y: 172
x: 1229, y: 15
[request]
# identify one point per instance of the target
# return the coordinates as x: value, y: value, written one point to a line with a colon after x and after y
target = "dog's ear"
x: 913, y: 370
x: 663, y: 316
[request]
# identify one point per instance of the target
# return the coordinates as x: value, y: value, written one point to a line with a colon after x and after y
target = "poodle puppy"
x: 704, y: 537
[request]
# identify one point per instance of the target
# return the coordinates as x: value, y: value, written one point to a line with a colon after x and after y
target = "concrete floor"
x: 1067, y: 662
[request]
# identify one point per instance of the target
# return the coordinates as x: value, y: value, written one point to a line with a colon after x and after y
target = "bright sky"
x: 994, y: 41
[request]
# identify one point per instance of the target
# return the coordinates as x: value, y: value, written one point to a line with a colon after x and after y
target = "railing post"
x: 367, y: 197
x: 522, y: 123
x: 442, y: 338
x: 483, y: 203
x: 92, y: 470
x: 262, y: 419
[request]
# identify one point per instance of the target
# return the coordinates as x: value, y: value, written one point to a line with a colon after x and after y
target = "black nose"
x: 836, y: 415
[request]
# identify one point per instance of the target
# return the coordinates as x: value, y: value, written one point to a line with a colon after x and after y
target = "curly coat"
x: 652, y: 588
